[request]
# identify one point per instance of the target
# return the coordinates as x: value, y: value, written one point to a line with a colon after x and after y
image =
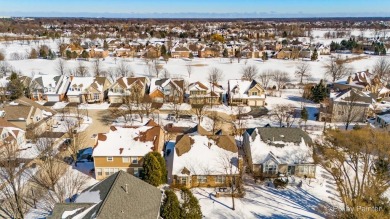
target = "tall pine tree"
x: 152, y: 170
x: 170, y: 208
x: 319, y: 92
x: 314, y: 56
x: 190, y: 207
x: 163, y: 166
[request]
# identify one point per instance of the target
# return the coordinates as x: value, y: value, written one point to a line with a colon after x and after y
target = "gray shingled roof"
x: 282, y: 134
x: 141, y: 201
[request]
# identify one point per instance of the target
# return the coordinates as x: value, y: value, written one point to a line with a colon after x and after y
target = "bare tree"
x: 350, y: 108
x: 124, y: 70
x: 382, y: 68
x: 280, y: 78
x: 249, y: 73
x: 336, y: 69
x: 199, y: 111
x: 97, y: 67
x: 81, y: 70
x: 302, y: 71
x: 214, y: 76
x: 217, y: 121
x: 357, y: 162
x: 265, y: 78
x: 165, y: 73
x: 284, y: 113
x: 14, y: 203
x: 155, y: 68
x: 61, y: 66
x: 189, y: 69
x: 112, y: 74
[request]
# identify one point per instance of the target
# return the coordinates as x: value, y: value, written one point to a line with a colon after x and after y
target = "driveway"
x: 101, y: 124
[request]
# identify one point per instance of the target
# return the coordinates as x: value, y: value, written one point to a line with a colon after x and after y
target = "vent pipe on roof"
x: 126, y: 188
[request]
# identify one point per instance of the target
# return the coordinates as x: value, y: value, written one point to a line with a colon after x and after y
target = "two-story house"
x: 88, y: 89
x: 349, y: 105
x: 51, y: 88
x: 246, y: 92
x: 195, y: 160
x: 271, y: 152
x: 28, y: 115
x: 167, y: 90
x: 127, y: 89
x: 10, y: 134
x: 201, y: 94
x: 123, y: 148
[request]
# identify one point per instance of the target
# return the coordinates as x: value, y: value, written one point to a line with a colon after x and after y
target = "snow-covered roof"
x: 239, y: 88
x: 80, y: 82
x: 288, y: 151
x: 123, y: 142
x: 203, y: 155
x: 385, y: 118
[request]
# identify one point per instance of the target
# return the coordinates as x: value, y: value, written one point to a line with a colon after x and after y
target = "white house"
x: 246, y: 92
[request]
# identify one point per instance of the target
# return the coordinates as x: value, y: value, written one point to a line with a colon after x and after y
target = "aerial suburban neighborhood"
x: 141, y: 117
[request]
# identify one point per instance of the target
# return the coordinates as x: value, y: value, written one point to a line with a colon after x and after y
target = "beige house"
x: 349, y: 105
x: 202, y: 161
x: 28, y: 115
x: 245, y: 92
x: 9, y: 133
x: 88, y: 89
x: 128, y: 89
x: 180, y: 52
x: 123, y: 148
x: 167, y: 90
x: 272, y: 152
x: 201, y: 94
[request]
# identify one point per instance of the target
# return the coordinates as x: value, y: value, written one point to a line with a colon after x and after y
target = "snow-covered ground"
x: 263, y: 201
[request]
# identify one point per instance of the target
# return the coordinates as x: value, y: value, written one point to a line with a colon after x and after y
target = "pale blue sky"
x: 261, y: 8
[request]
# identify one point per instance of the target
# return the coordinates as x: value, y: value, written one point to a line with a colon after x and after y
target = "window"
x: 340, y: 113
x: 99, y: 172
x: 220, y: 179
x: 254, y: 93
x: 110, y: 159
x: 134, y: 160
x: 182, y: 180
x: 96, y: 96
x: 4, y: 135
x: 106, y: 171
x: 270, y: 168
x: 202, y: 179
x: 126, y: 159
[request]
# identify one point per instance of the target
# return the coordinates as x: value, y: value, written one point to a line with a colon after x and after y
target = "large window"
x: 202, y: 179
x: 110, y: 171
x: 99, y: 172
x: 270, y: 168
x: 126, y: 159
x: 220, y: 179
x: 182, y: 180
x: 96, y: 96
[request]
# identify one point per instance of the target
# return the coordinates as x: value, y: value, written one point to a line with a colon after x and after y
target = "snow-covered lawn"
x: 262, y: 201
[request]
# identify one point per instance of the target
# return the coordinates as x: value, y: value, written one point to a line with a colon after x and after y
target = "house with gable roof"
x: 9, y: 133
x: 50, y: 87
x: 124, y: 87
x: 362, y: 81
x: 201, y: 94
x: 196, y: 160
x: 123, y: 148
x: 119, y: 196
x: 271, y: 152
x: 88, y: 89
x: 167, y: 90
x: 249, y: 93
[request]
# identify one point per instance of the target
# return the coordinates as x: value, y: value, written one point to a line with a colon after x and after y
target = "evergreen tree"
x: 15, y: 87
x: 191, y: 56
x: 284, y: 34
x: 74, y: 55
x: 85, y: 54
x: 225, y: 53
x: 304, y: 115
x: 264, y: 56
x: 190, y: 208
x: 163, y: 50
x: 319, y: 92
x: 68, y: 54
x: 161, y: 161
x: 170, y: 208
x: 105, y: 45
x: 314, y: 56
x: 152, y: 170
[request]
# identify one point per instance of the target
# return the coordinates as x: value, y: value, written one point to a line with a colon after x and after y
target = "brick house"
x: 271, y: 152
x: 123, y: 148
x: 166, y: 90
x: 202, y: 161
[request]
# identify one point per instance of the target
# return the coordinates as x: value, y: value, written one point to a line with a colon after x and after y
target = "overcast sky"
x: 196, y: 8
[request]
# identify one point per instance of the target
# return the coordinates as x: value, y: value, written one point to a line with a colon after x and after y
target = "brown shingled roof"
x: 183, y: 144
